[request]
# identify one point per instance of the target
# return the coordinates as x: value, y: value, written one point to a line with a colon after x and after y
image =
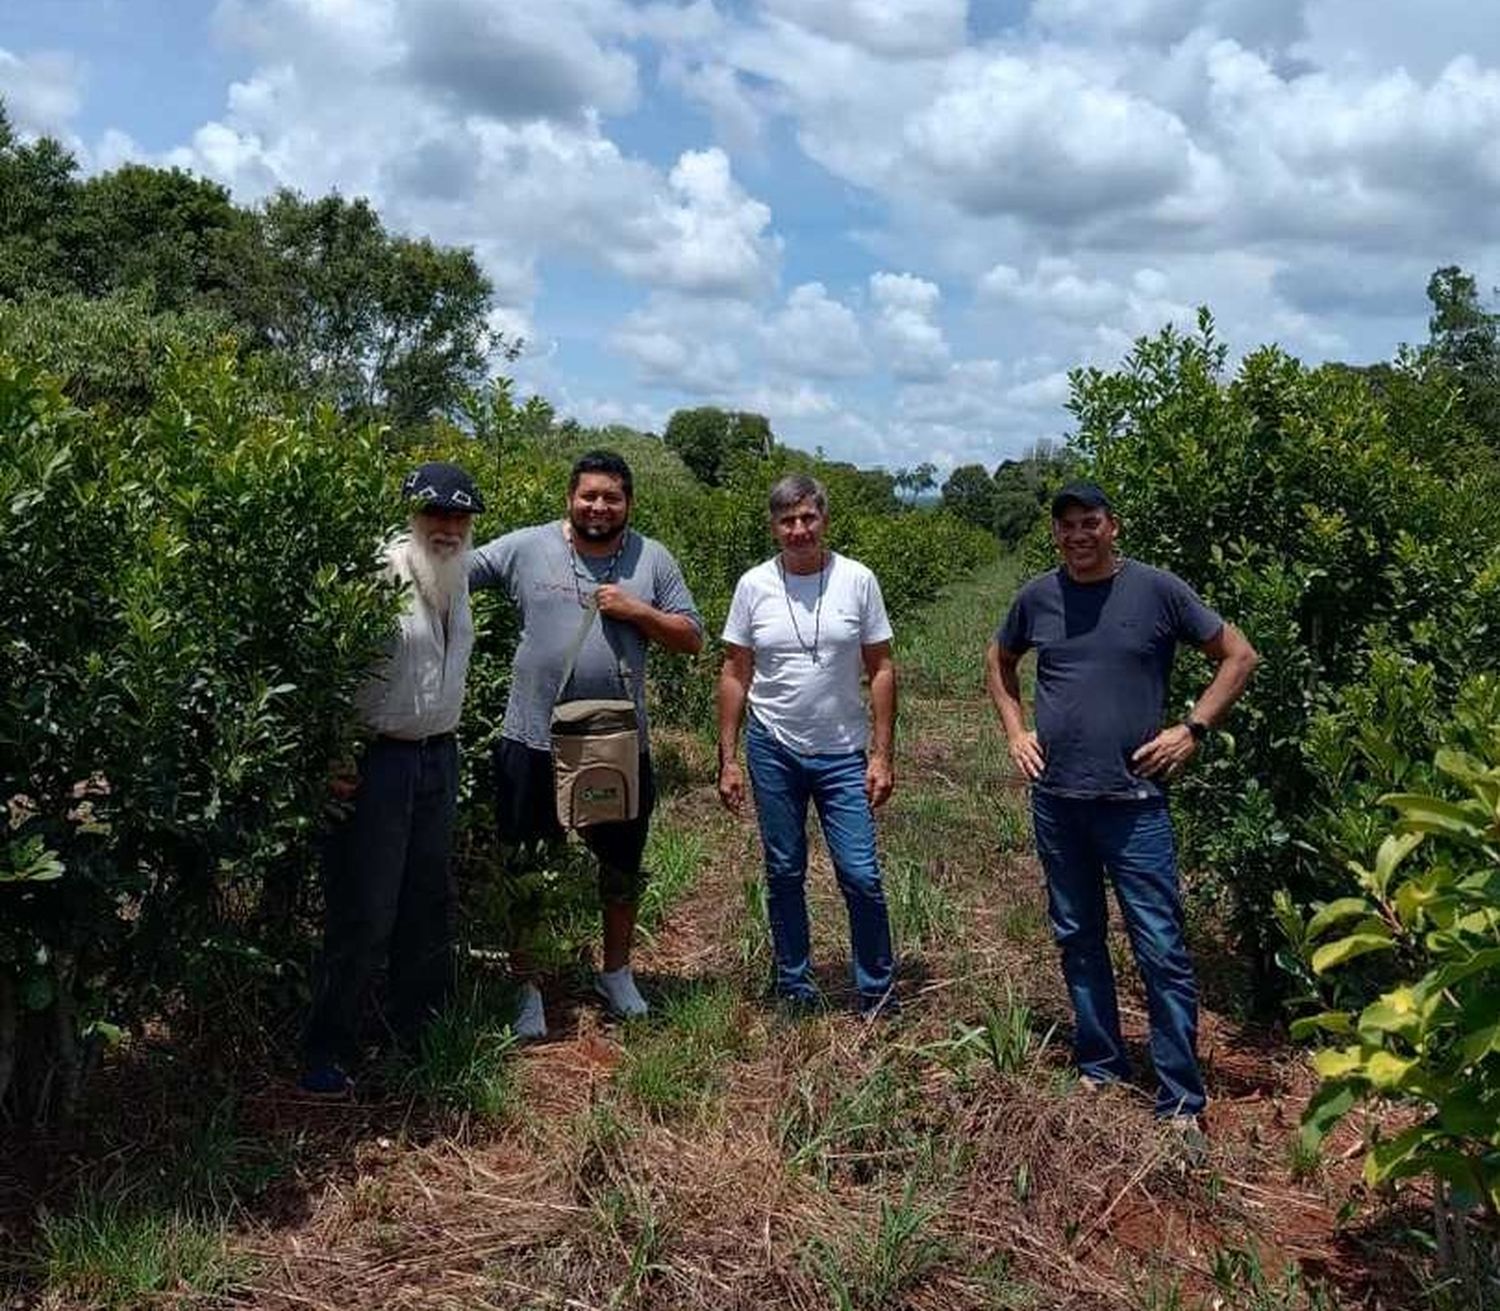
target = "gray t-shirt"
x: 548, y: 582
x: 1103, y: 662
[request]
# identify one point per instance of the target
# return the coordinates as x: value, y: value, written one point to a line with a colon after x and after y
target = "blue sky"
x: 891, y: 225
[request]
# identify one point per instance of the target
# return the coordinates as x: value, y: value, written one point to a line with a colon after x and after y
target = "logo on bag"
x: 600, y: 794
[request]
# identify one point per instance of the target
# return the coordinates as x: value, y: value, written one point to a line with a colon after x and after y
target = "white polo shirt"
x: 418, y: 688
x: 813, y: 706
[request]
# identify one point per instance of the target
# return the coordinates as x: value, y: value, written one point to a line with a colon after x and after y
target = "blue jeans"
x: 783, y: 783
x: 1080, y: 842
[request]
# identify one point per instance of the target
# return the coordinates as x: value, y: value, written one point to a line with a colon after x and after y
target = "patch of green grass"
x: 627, y: 1212
x: 1239, y: 1275
x: 1160, y: 1291
x: 862, y: 1131
x: 1005, y: 1039
x: 215, y: 1166
x: 873, y: 1268
x: 1002, y: 1290
x: 464, y: 1061
x: 943, y: 656
x: 676, y: 1060
x: 1024, y: 922
x: 105, y: 1254
x: 674, y: 856
x: 920, y: 911
x: 1012, y: 830
x: 755, y: 931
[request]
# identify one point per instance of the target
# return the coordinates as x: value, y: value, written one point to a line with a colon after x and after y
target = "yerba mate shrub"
x: 191, y: 595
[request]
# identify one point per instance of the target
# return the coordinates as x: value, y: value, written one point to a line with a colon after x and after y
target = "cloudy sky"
x: 890, y: 225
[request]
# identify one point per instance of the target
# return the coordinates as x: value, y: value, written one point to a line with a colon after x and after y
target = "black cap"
x: 442, y: 486
x: 1089, y: 495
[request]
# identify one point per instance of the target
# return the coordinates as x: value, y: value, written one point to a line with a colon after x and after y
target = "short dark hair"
x: 795, y: 488
x: 606, y: 462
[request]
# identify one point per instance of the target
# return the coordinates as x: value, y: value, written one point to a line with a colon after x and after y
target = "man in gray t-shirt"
x: 1105, y: 629
x: 552, y: 572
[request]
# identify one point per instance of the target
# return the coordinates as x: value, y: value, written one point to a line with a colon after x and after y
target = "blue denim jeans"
x: 783, y: 782
x: 1080, y: 842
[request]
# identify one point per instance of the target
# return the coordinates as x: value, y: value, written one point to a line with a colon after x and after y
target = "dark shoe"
x: 885, y: 1006
x: 327, y: 1081
x: 799, y: 1005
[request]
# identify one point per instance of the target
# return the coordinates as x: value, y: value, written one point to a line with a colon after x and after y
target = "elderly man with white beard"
x: 388, y: 891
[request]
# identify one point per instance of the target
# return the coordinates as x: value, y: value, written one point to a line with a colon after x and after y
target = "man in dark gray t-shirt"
x: 552, y: 572
x: 1105, y: 630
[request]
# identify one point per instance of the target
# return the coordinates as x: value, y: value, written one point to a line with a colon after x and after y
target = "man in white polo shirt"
x: 802, y: 628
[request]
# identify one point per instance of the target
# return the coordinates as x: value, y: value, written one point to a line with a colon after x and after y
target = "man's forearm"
x: 676, y: 632
x: 1228, y: 684
x: 883, y: 711
x: 1005, y: 691
x: 731, y: 704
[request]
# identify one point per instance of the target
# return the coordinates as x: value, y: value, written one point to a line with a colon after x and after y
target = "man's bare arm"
x: 1004, y: 683
x: 734, y: 688
x: 880, y: 775
x: 1235, y: 660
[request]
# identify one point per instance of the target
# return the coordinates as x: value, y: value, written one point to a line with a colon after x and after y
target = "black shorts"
x: 526, y: 811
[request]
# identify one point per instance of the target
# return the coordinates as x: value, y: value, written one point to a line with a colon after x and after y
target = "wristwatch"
x: 1196, y: 727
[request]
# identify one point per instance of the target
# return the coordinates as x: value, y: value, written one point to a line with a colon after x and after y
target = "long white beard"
x: 437, y: 575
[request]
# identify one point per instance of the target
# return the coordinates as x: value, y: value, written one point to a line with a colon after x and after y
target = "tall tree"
x: 175, y: 238
x: 969, y: 492
x: 710, y: 440
x: 1464, y: 336
x: 37, y: 190
x: 379, y: 323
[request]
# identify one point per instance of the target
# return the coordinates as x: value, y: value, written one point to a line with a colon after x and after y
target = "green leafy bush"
x: 1428, y: 908
x: 1344, y: 527
x: 192, y: 595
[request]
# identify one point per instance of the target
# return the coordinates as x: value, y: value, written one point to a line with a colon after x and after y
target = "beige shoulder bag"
x: 595, y: 747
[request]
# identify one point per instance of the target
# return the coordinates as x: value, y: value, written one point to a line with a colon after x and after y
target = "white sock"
x: 618, y: 989
x: 531, y: 1020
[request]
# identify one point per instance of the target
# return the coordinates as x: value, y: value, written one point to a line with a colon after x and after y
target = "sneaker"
x: 530, y: 1023
x: 326, y: 1080
x: 798, y: 1005
x: 882, y: 1006
x: 621, y: 996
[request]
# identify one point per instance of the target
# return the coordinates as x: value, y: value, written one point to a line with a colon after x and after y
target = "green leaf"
x: 1401, y: 1011
x: 1424, y: 814
x: 1339, y: 1062
x: 1345, y: 949
x: 1335, y: 912
x: 1398, y: 1157
x: 1389, y: 1072
x: 1326, y: 1022
x: 1327, y: 1107
x: 1393, y: 850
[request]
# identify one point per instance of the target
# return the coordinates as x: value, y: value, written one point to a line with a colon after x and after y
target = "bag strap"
x: 590, y: 609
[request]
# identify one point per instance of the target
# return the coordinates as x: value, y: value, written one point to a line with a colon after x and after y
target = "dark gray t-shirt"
x: 1103, y: 662
x: 547, y: 581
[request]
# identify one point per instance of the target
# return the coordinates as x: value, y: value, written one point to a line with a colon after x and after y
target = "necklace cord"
x: 810, y: 651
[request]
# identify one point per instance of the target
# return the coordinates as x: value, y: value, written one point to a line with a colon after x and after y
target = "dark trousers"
x: 389, y: 895
x: 1130, y: 843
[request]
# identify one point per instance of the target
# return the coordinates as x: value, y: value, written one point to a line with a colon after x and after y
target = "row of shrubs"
x: 188, y: 570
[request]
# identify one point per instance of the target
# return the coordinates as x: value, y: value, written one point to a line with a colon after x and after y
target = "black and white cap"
x: 442, y: 486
